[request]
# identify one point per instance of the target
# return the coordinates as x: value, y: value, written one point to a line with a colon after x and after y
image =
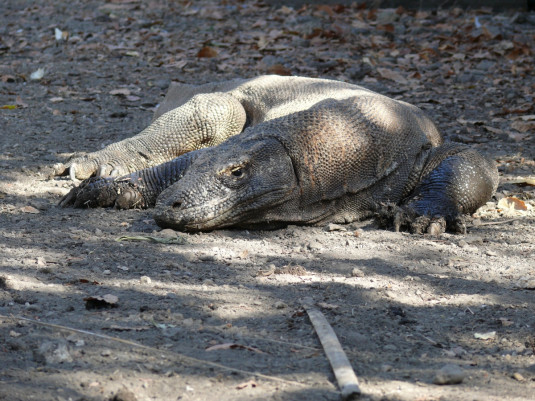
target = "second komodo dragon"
x: 271, y: 151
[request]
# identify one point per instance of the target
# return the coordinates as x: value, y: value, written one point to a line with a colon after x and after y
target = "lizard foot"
x: 104, y: 192
x: 104, y: 163
x: 403, y: 217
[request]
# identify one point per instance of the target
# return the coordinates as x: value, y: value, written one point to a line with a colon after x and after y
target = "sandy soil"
x: 403, y: 306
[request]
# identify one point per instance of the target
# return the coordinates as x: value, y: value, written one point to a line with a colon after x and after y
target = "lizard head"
x: 236, y: 184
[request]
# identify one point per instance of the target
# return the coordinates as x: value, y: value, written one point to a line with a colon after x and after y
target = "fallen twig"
x: 492, y: 223
x: 182, y: 357
x: 345, y: 376
x: 148, y: 238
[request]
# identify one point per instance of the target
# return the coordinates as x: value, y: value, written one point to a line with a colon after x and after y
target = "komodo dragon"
x: 271, y: 151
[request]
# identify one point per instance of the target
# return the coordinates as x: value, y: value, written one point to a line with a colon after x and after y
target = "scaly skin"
x: 205, y: 120
x: 313, y: 151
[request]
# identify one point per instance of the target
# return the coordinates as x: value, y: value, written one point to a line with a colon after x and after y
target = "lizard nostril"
x: 177, y: 204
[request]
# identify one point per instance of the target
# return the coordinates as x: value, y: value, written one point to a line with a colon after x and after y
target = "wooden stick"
x: 345, y: 376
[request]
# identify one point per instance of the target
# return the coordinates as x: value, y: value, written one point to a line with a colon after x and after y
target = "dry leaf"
x: 505, y: 322
x: 207, y: 52
x: 120, y: 92
x: 325, y: 305
x: 326, y: 9
x: 29, y: 209
x: 279, y: 69
x: 8, y: 78
x: 233, y: 346
x: 523, y: 126
x: 392, y: 75
x: 512, y: 204
x: 21, y: 102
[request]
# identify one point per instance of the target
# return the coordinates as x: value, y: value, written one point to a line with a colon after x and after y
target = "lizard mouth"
x: 224, y: 213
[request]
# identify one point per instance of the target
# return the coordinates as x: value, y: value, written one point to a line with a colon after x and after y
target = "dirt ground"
x: 86, y: 316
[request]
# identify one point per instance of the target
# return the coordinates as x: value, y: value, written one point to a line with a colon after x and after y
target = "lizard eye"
x: 237, y: 172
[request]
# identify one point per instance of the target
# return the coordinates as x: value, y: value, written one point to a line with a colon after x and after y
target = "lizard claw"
x: 93, y: 192
x: 101, y: 171
x: 104, y: 192
x: 404, y: 217
x: 72, y: 172
x: 115, y: 172
x: 428, y: 225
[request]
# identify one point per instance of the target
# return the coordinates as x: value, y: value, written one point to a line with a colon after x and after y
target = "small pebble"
x: 280, y: 305
x: 386, y: 367
x: 145, y: 280
x: 335, y: 227
x: 517, y: 376
x: 314, y: 246
x: 357, y: 272
x: 124, y: 395
x: 485, y: 336
x: 449, y: 374
x: 106, y: 272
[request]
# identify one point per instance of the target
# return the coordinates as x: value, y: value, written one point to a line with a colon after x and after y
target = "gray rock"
x: 50, y: 352
x: 449, y: 374
x: 314, y: 245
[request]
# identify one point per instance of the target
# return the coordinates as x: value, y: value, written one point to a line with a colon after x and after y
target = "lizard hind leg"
x: 455, y: 182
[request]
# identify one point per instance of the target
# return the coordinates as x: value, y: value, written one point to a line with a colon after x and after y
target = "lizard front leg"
x: 205, y: 120
x: 136, y: 190
x: 455, y: 181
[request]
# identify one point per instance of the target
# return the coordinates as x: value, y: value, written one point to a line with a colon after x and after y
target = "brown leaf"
x: 387, y: 28
x: 29, y: 209
x: 207, y: 52
x: 392, y: 75
x: 523, y: 126
x: 20, y: 102
x: 120, y: 92
x: 512, y: 203
x: 326, y: 9
x: 505, y: 322
x: 233, y: 346
x: 8, y: 78
x: 279, y: 69
x: 326, y: 305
